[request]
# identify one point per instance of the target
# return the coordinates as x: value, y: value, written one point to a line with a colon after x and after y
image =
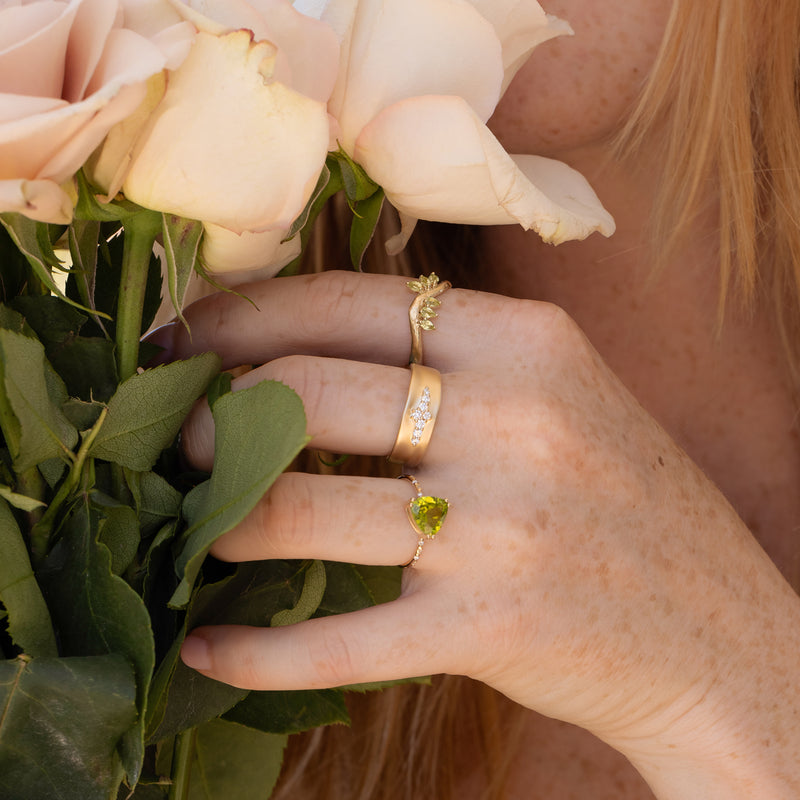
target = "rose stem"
x: 141, y: 230
x: 182, y: 764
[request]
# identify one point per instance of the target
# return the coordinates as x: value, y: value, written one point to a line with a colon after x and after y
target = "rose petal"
x: 34, y: 34
x: 246, y: 256
x: 149, y: 17
x: 27, y: 144
x: 397, y: 49
x: 108, y: 166
x: 92, y: 25
x: 312, y: 48
x: 436, y: 160
x: 128, y: 60
x: 226, y: 147
x: 15, y: 107
x: 174, y: 43
x: 521, y: 25
x: 308, y: 51
x: 44, y: 201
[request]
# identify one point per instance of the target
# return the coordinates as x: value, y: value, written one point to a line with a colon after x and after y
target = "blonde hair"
x: 724, y: 95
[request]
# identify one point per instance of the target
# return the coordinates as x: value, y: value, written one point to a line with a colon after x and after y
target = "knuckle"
x: 333, y: 660
x: 333, y: 297
x: 287, y: 520
x: 304, y: 375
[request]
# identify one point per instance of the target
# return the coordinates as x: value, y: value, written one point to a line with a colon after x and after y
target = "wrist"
x: 735, y: 736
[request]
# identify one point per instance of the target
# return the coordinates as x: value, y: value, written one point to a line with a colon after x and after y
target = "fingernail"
x: 196, y: 653
x: 163, y: 337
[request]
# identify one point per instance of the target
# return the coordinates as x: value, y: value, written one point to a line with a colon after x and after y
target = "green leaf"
x: 14, y: 321
x: 345, y: 590
x: 87, y: 366
x: 220, y: 386
x: 230, y: 755
x: 60, y: 721
x: 357, y: 184
x: 119, y: 531
x: 44, y: 431
x: 108, y: 277
x: 15, y: 277
x: 81, y: 414
x: 53, y: 320
x: 95, y: 612
x: 20, y: 501
x: 157, y: 501
x: 147, y: 411
x: 259, y: 431
x: 89, y: 207
x: 84, y: 236
x: 383, y: 583
x: 330, y: 182
x: 366, y: 214
x: 290, y: 712
x: 326, y: 187
x: 314, y: 585
x: 180, y: 697
x: 181, y: 244
x: 32, y: 240
x: 28, y: 618
x: 154, y: 559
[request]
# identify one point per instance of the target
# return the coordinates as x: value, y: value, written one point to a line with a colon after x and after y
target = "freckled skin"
x: 590, y: 568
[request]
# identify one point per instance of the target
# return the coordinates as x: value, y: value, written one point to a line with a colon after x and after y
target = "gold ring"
x: 419, y: 416
x: 422, y: 311
x: 426, y: 514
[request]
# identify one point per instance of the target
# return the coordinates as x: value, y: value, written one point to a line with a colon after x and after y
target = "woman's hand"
x: 586, y: 569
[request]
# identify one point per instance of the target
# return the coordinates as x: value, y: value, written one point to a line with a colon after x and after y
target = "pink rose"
x: 240, y: 136
x: 419, y: 79
x: 69, y: 71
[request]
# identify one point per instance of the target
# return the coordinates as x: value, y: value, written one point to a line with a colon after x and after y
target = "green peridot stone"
x: 427, y: 514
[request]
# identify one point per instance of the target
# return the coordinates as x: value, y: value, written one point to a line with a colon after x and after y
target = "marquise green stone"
x: 427, y: 514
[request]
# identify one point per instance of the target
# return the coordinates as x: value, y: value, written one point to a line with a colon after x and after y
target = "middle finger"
x: 351, y: 407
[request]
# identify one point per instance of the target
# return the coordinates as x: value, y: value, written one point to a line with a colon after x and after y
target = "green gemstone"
x: 427, y: 514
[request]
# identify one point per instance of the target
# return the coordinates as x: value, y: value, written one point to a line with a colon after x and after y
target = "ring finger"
x: 335, y: 518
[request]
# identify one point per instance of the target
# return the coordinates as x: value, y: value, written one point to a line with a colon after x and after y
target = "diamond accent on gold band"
x: 421, y: 414
x: 418, y: 418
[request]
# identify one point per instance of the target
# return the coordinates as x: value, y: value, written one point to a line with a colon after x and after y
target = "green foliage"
x: 258, y: 432
x: 363, y: 195
x: 61, y: 720
x: 229, y: 754
x: 104, y: 532
x: 28, y: 618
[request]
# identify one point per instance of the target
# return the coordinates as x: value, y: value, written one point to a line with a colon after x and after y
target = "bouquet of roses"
x: 144, y: 143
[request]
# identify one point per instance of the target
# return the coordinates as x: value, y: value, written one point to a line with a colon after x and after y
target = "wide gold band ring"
x: 426, y: 514
x: 419, y: 416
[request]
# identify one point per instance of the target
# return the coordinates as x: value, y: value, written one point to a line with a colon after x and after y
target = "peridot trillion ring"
x: 426, y: 515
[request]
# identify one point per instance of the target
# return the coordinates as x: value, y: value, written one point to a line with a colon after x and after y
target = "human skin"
x: 589, y: 569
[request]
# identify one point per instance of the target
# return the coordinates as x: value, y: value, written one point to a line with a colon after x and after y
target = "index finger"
x: 355, y: 316
x: 334, y: 314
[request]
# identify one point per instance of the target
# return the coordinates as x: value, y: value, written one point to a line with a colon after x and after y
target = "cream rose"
x: 240, y: 136
x: 69, y: 71
x: 419, y: 79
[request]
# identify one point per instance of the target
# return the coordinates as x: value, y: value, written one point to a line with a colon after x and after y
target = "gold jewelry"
x: 426, y: 514
x: 419, y: 416
x: 422, y: 311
